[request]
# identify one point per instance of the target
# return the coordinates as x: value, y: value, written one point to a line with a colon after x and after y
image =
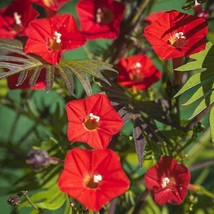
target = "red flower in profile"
x: 50, y: 4
x: 15, y: 18
x: 137, y: 71
x: 100, y: 19
x: 92, y: 120
x: 176, y: 34
x: 93, y: 177
x: 40, y: 83
x: 50, y: 37
x: 167, y: 181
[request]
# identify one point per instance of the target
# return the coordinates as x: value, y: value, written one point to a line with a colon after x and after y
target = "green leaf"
x: 212, y: 124
x: 13, y: 60
x: 201, y: 82
x: 197, y: 79
x: 200, y: 60
x: 50, y: 199
x: 203, y: 105
x: 200, y: 94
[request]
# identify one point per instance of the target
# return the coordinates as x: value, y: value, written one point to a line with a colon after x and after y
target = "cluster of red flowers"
x: 93, y: 177
x: 49, y: 37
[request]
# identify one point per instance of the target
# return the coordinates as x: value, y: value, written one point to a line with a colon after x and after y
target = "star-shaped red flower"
x: 167, y: 181
x: 92, y: 120
x: 50, y: 37
x: 175, y: 34
x: 137, y: 71
x: 50, y: 4
x: 100, y: 19
x: 93, y: 177
x: 15, y: 18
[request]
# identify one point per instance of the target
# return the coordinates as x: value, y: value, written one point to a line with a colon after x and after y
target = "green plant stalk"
x: 30, y: 202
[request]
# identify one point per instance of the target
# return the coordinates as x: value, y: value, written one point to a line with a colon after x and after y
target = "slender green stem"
x: 30, y: 202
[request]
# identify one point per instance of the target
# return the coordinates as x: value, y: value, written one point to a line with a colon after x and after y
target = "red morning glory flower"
x: 93, y: 177
x: 50, y: 37
x: 153, y: 17
x: 50, y: 4
x: 40, y: 83
x: 100, y: 19
x: 175, y: 34
x: 92, y: 120
x: 15, y: 18
x: 167, y: 181
x: 137, y: 71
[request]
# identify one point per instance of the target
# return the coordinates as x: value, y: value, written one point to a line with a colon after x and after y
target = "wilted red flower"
x: 92, y: 120
x: 137, y: 71
x: 50, y: 4
x: 167, y: 181
x: 93, y: 177
x: 100, y: 19
x: 40, y: 83
x: 15, y: 18
x: 176, y: 34
x: 50, y: 37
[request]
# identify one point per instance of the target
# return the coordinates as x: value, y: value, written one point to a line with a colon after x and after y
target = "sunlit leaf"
x: 202, y: 82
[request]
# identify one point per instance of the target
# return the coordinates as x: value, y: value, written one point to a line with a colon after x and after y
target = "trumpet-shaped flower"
x: 93, y: 177
x: 175, y: 34
x: 92, y: 120
x: 137, y: 71
x: 50, y: 37
x: 167, y: 181
x: 15, y: 18
x: 100, y: 19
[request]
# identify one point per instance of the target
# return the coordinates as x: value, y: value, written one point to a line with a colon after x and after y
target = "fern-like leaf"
x: 13, y: 60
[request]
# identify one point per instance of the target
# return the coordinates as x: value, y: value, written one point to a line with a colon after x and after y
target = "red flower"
x: 153, y: 17
x: 167, y: 181
x: 137, y: 71
x: 100, y: 19
x: 93, y: 177
x: 92, y: 120
x: 50, y: 4
x: 50, y: 37
x: 176, y: 34
x: 40, y: 83
x: 15, y: 18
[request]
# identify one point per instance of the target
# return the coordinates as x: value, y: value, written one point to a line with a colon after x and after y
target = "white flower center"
x: 97, y: 178
x: 180, y: 35
x: 99, y: 15
x: 94, y: 117
x: 165, y: 181
x: 196, y: 3
x: 17, y: 18
x: 57, y: 37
